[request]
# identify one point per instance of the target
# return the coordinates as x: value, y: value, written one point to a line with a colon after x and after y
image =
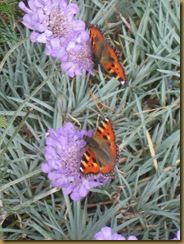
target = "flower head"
x: 63, y: 152
x: 106, y: 234
x: 177, y: 236
x: 51, y: 18
x: 53, y: 23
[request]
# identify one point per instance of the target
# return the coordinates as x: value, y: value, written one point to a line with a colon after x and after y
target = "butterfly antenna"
x: 68, y: 115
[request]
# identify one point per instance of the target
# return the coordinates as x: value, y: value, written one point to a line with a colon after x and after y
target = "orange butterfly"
x: 101, y: 155
x: 105, y: 54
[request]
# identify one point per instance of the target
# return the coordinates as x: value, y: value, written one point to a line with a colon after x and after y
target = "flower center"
x: 58, y: 23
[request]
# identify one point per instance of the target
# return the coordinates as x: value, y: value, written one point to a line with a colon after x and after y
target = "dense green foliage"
x: 144, y: 198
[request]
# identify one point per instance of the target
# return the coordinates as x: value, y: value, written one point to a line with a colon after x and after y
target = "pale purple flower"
x: 177, y: 236
x: 78, y: 60
x: 63, y: 153
x: 51, y: 18
x: 53, y: 23
x: 106, y: 234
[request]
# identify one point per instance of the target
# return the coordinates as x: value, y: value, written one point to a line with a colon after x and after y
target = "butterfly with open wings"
x: 101, y: 154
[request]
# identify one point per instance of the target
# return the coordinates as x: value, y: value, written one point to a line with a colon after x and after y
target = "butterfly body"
x: 101, y: 154
x: 105, y: 54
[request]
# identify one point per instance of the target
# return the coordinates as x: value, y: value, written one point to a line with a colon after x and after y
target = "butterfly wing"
x: 105, y: 132
x: 101, y: 154
x: 111, y: 64
x: 89, y: 164
x: 97, y: 41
